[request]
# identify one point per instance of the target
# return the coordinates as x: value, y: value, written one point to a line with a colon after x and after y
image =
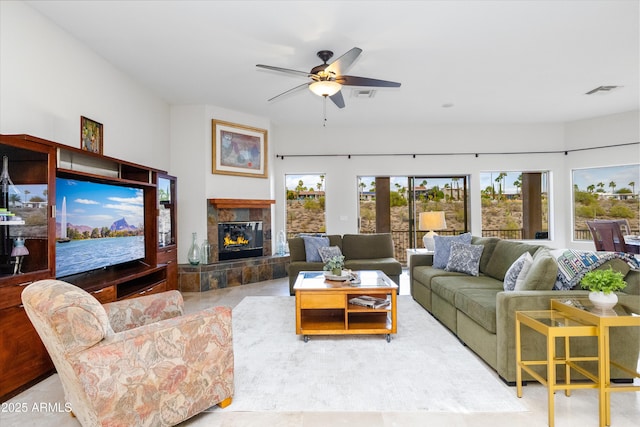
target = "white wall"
x: 341, y: 173
x: 615, y: 129
x: 191, y: 161
x: 48, y: 80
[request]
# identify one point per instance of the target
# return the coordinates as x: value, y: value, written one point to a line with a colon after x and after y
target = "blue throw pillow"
x: 311, y: 246
x: 443, y: 248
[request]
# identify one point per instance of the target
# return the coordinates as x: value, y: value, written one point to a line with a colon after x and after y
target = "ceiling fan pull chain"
x: 324, y: 110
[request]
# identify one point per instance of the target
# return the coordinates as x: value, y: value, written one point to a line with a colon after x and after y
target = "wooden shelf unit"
x: 35, y: 161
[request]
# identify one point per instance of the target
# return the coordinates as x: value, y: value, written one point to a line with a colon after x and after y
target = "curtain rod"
x: 476, y: 154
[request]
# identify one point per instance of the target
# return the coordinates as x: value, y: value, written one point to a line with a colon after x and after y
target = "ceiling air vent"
x: 363, y: 93
x: 602, y: 89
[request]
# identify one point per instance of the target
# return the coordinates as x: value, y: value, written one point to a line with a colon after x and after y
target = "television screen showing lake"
x: 76, y: 256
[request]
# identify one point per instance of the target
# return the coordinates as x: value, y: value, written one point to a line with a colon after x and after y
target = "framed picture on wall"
x: 91, y: 135
x: 238, y: 149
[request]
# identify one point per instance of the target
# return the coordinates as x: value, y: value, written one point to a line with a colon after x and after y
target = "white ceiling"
x: 496, y: 61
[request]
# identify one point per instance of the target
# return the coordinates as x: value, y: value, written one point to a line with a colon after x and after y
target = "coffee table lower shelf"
x: 334, y: 322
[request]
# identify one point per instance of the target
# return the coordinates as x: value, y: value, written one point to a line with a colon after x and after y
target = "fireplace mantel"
x: 241, y: 203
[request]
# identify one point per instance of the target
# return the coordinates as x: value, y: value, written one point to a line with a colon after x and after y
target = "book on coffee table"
x: 369, y: 301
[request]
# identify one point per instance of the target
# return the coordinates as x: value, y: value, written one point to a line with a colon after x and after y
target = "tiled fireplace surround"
x: 222, y: 274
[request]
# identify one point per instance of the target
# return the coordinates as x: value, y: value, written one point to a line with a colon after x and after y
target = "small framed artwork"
x: 238, y: 150
x: 91, y: 135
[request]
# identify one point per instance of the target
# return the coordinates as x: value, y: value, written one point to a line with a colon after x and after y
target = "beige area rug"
x: 423, y: 368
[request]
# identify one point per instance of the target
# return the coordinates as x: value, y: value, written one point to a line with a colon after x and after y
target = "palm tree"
x: 633, y: 187
x: 591, y: 188
x: 448, y: 186
x: 500, y: 180
x: 613, y: 186
x: 300, y: 187
x: 518, y: 183
x: 601, y: 186
x: 455, y: 180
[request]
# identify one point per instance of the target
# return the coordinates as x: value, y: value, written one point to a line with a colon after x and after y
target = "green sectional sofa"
x: 481, y: 313
x: 361, y: 252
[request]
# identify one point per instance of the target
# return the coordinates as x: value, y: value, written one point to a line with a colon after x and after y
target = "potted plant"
x: 602, y: 284
x: 335, y: 265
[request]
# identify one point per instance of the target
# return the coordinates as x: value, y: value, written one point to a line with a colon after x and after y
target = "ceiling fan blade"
x: 290, y: 90
x: 341, y: 64
x: 285, y: 70
x: 338, y: 99
x: 365, y: 81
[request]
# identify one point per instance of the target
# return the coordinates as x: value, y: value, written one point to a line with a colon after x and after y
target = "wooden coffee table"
x: 323, y: 308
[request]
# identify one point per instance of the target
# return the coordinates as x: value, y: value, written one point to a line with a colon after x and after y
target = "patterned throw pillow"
x: 443, y: 248
x: 512, y: 274
x: 465, y: 258
x: 326, y: 253
x: 311, y: 246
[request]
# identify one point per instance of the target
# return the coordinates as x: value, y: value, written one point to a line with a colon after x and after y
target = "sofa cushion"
x: 424, y: 274
x: 514, y: 272
x: 390, y: 266
x: 312, y: 244
x: 447, y: 286
x: 464, y: 258
x: 542, y: 274
x: 443, y: 248
x: 489, y: 244
x: 367, y: 246
x: 480, y: 305
x: 505, y: 254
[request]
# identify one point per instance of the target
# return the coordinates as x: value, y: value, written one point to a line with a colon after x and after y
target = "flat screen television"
x: 98, y: 225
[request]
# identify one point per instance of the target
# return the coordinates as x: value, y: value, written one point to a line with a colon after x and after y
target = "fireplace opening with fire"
x: 239, y: 240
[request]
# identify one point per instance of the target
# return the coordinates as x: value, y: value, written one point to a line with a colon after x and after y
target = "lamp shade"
x: 432, y: 221
x: 325, y: 87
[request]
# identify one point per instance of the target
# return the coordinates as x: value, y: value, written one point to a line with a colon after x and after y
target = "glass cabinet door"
x: 24, y: 209
x: 167, y: 209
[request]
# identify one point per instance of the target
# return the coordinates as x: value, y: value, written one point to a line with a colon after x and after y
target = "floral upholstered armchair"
x: 133, y: 362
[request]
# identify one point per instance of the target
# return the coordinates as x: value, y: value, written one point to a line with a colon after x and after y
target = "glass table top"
x: 367, y: 278
x: 553, y: 318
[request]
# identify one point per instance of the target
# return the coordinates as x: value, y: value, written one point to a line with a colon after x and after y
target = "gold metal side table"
x: 622, y: 315
x: 554, y: 324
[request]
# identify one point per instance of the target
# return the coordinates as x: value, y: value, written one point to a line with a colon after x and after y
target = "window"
x: 515, y: 205
x: 605, y: 193
x: 305, y: 197
x: 406, y: 197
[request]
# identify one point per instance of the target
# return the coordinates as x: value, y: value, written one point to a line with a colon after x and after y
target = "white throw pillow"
x: 522, y: 276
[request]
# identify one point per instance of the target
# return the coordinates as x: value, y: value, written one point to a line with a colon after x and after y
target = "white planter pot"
x: 603, y: 301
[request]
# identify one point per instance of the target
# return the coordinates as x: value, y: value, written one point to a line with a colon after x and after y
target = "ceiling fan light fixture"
x: 325, y: 87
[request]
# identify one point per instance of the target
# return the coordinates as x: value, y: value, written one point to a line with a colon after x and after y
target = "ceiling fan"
x: 327, y: 79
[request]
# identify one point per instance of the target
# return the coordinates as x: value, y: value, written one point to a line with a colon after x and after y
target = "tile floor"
x: 581, y: 409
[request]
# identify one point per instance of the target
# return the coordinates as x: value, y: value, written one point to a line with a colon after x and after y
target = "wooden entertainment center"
x: 35, y: 163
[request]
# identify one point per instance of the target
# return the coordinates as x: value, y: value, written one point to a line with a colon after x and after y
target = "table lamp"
x: 431, y: 221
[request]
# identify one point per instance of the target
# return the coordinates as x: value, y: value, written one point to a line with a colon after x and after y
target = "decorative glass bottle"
x: 205, y: 251
x: 282, y: 243
x: 194, y: 251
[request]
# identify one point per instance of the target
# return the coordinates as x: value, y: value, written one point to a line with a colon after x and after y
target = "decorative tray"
x: 345, y: 276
